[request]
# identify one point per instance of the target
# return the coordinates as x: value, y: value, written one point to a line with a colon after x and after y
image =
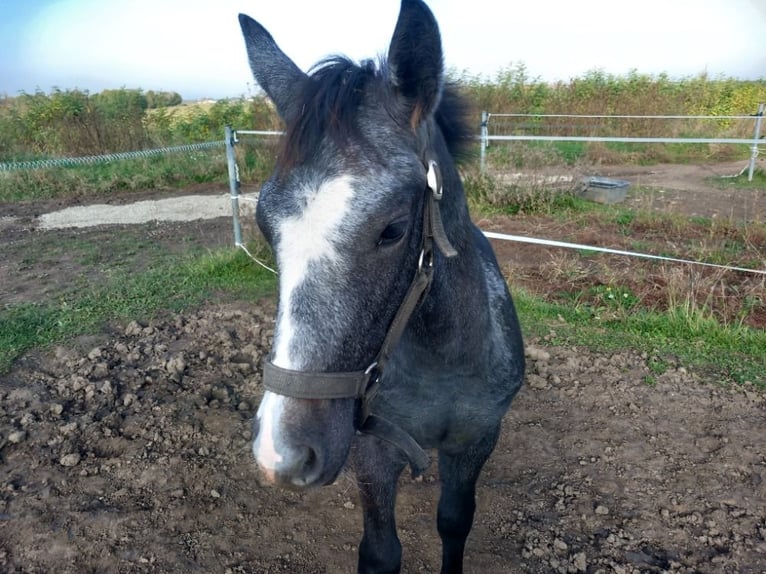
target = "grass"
x: 155, y: 172
x: 740, y: 181
x: 732, y: 354
x: 536, y: 154
x: 487, y: 195
x: 170, y: 171
x: 169, y: 286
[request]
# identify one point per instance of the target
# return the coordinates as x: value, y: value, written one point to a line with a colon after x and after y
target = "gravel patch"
x: 181, y: 208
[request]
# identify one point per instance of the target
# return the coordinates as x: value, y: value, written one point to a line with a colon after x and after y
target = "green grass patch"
x: 741, y: 181
x: 489, y: 195
x: 157, y: 172
x: 170, y: 286
x: 570, y: 152
x: 732, y: 354
x: 171, y: 171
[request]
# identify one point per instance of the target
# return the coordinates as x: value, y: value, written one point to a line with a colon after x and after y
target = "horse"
x: 395, y: 331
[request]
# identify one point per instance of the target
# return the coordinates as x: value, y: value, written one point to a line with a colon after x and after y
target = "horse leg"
x: 377, y: 468
x: 459, y: 473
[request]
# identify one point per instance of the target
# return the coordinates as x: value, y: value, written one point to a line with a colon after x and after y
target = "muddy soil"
x: 129, y: 450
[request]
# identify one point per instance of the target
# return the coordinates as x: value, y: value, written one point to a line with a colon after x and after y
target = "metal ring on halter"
x: 369, y: 369
x: 422, y: 260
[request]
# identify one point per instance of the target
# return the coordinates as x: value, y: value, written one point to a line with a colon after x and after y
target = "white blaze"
x: 303, y: 239
x: 265, y: 448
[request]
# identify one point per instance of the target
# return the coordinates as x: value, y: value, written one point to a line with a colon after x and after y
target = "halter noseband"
x: 364, y: 385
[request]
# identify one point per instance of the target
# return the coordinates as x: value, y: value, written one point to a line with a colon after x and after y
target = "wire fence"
x: 231, y: 139
x: 105, y: 158
x: 572, y: 128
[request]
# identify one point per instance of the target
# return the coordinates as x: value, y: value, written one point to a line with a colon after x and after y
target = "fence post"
x: 484, y: 140
x: 756, y: 137
x: 231, y: 159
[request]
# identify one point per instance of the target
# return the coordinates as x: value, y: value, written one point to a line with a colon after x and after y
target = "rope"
x: 91, y: 159
x: 552, y: 243
x: 623, y: 117
x: 258, y: 261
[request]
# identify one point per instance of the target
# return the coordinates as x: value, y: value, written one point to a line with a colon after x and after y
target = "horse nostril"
x: 311, y: 460
x: 308, y: 467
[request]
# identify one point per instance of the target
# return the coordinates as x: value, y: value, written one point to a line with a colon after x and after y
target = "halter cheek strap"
x: 434, y: 218
x: 364, y: 385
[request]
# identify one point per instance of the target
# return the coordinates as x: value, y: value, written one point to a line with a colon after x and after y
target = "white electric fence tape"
x: 552, y: 243
x: 580, y: 246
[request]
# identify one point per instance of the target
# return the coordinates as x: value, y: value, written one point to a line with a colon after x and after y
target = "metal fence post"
x: 231, y: 139
x: 756, y: 137
x: 484, y: 140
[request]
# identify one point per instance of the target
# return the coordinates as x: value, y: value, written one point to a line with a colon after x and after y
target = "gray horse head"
x: 343, y: 213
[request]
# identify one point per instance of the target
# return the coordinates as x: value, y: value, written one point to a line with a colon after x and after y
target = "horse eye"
x: 393, y: 232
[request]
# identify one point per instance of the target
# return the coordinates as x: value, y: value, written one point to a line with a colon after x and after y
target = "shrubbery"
x: 74, y: 122
x: 513, y: 90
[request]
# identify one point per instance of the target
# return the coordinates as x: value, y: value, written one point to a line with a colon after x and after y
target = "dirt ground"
x: 129, y: 450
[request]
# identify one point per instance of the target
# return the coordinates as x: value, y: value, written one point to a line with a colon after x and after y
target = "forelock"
x: 330, y: 104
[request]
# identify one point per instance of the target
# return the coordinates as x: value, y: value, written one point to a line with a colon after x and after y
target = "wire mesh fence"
x: 105, y: 158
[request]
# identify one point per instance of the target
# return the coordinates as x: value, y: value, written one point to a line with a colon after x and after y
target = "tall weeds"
x: 68, y: 123
x: 514, y: 91
x: 74, y: 122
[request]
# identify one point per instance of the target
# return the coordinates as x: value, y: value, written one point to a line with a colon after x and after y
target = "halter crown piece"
x: 364, y: 385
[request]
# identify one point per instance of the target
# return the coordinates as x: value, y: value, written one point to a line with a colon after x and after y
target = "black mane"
x: 331, y: 99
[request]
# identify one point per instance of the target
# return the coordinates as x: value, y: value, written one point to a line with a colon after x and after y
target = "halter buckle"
x: 434, y: 178
x: 425, y: 261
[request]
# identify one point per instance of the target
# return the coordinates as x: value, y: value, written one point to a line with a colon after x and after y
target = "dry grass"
x: 616, y: 286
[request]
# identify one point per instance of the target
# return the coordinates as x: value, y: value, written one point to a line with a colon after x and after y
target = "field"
x: 130, y: 357
x: 126, y: 445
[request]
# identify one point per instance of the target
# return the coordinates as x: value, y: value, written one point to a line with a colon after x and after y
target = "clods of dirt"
x: 130, y: 452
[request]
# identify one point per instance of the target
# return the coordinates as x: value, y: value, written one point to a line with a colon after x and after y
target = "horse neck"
x: 458, y: 298
x: 453, y: 204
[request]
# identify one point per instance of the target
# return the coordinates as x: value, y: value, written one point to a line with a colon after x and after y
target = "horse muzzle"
x: 301, y: 443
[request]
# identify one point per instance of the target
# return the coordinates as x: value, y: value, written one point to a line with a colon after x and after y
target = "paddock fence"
x: 105, y: 158
x: 569, y: 128
x: 517, y: 127
x: 502, y: 127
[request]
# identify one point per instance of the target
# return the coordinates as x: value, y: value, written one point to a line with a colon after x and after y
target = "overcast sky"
x: 194, y: 46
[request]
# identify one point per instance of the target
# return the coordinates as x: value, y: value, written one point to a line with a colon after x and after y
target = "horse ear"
x: 415, y: 59
x: 277, y: 74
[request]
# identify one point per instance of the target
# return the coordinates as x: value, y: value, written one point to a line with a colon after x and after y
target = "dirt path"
x: 694, y: 190
x: 129, y: 451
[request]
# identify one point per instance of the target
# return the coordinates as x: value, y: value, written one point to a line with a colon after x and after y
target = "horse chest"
x: 441, y: 411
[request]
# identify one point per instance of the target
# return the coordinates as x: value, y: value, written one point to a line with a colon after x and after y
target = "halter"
x: 364, y: 385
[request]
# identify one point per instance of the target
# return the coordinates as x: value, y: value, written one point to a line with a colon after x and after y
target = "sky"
x: 194, y: 47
